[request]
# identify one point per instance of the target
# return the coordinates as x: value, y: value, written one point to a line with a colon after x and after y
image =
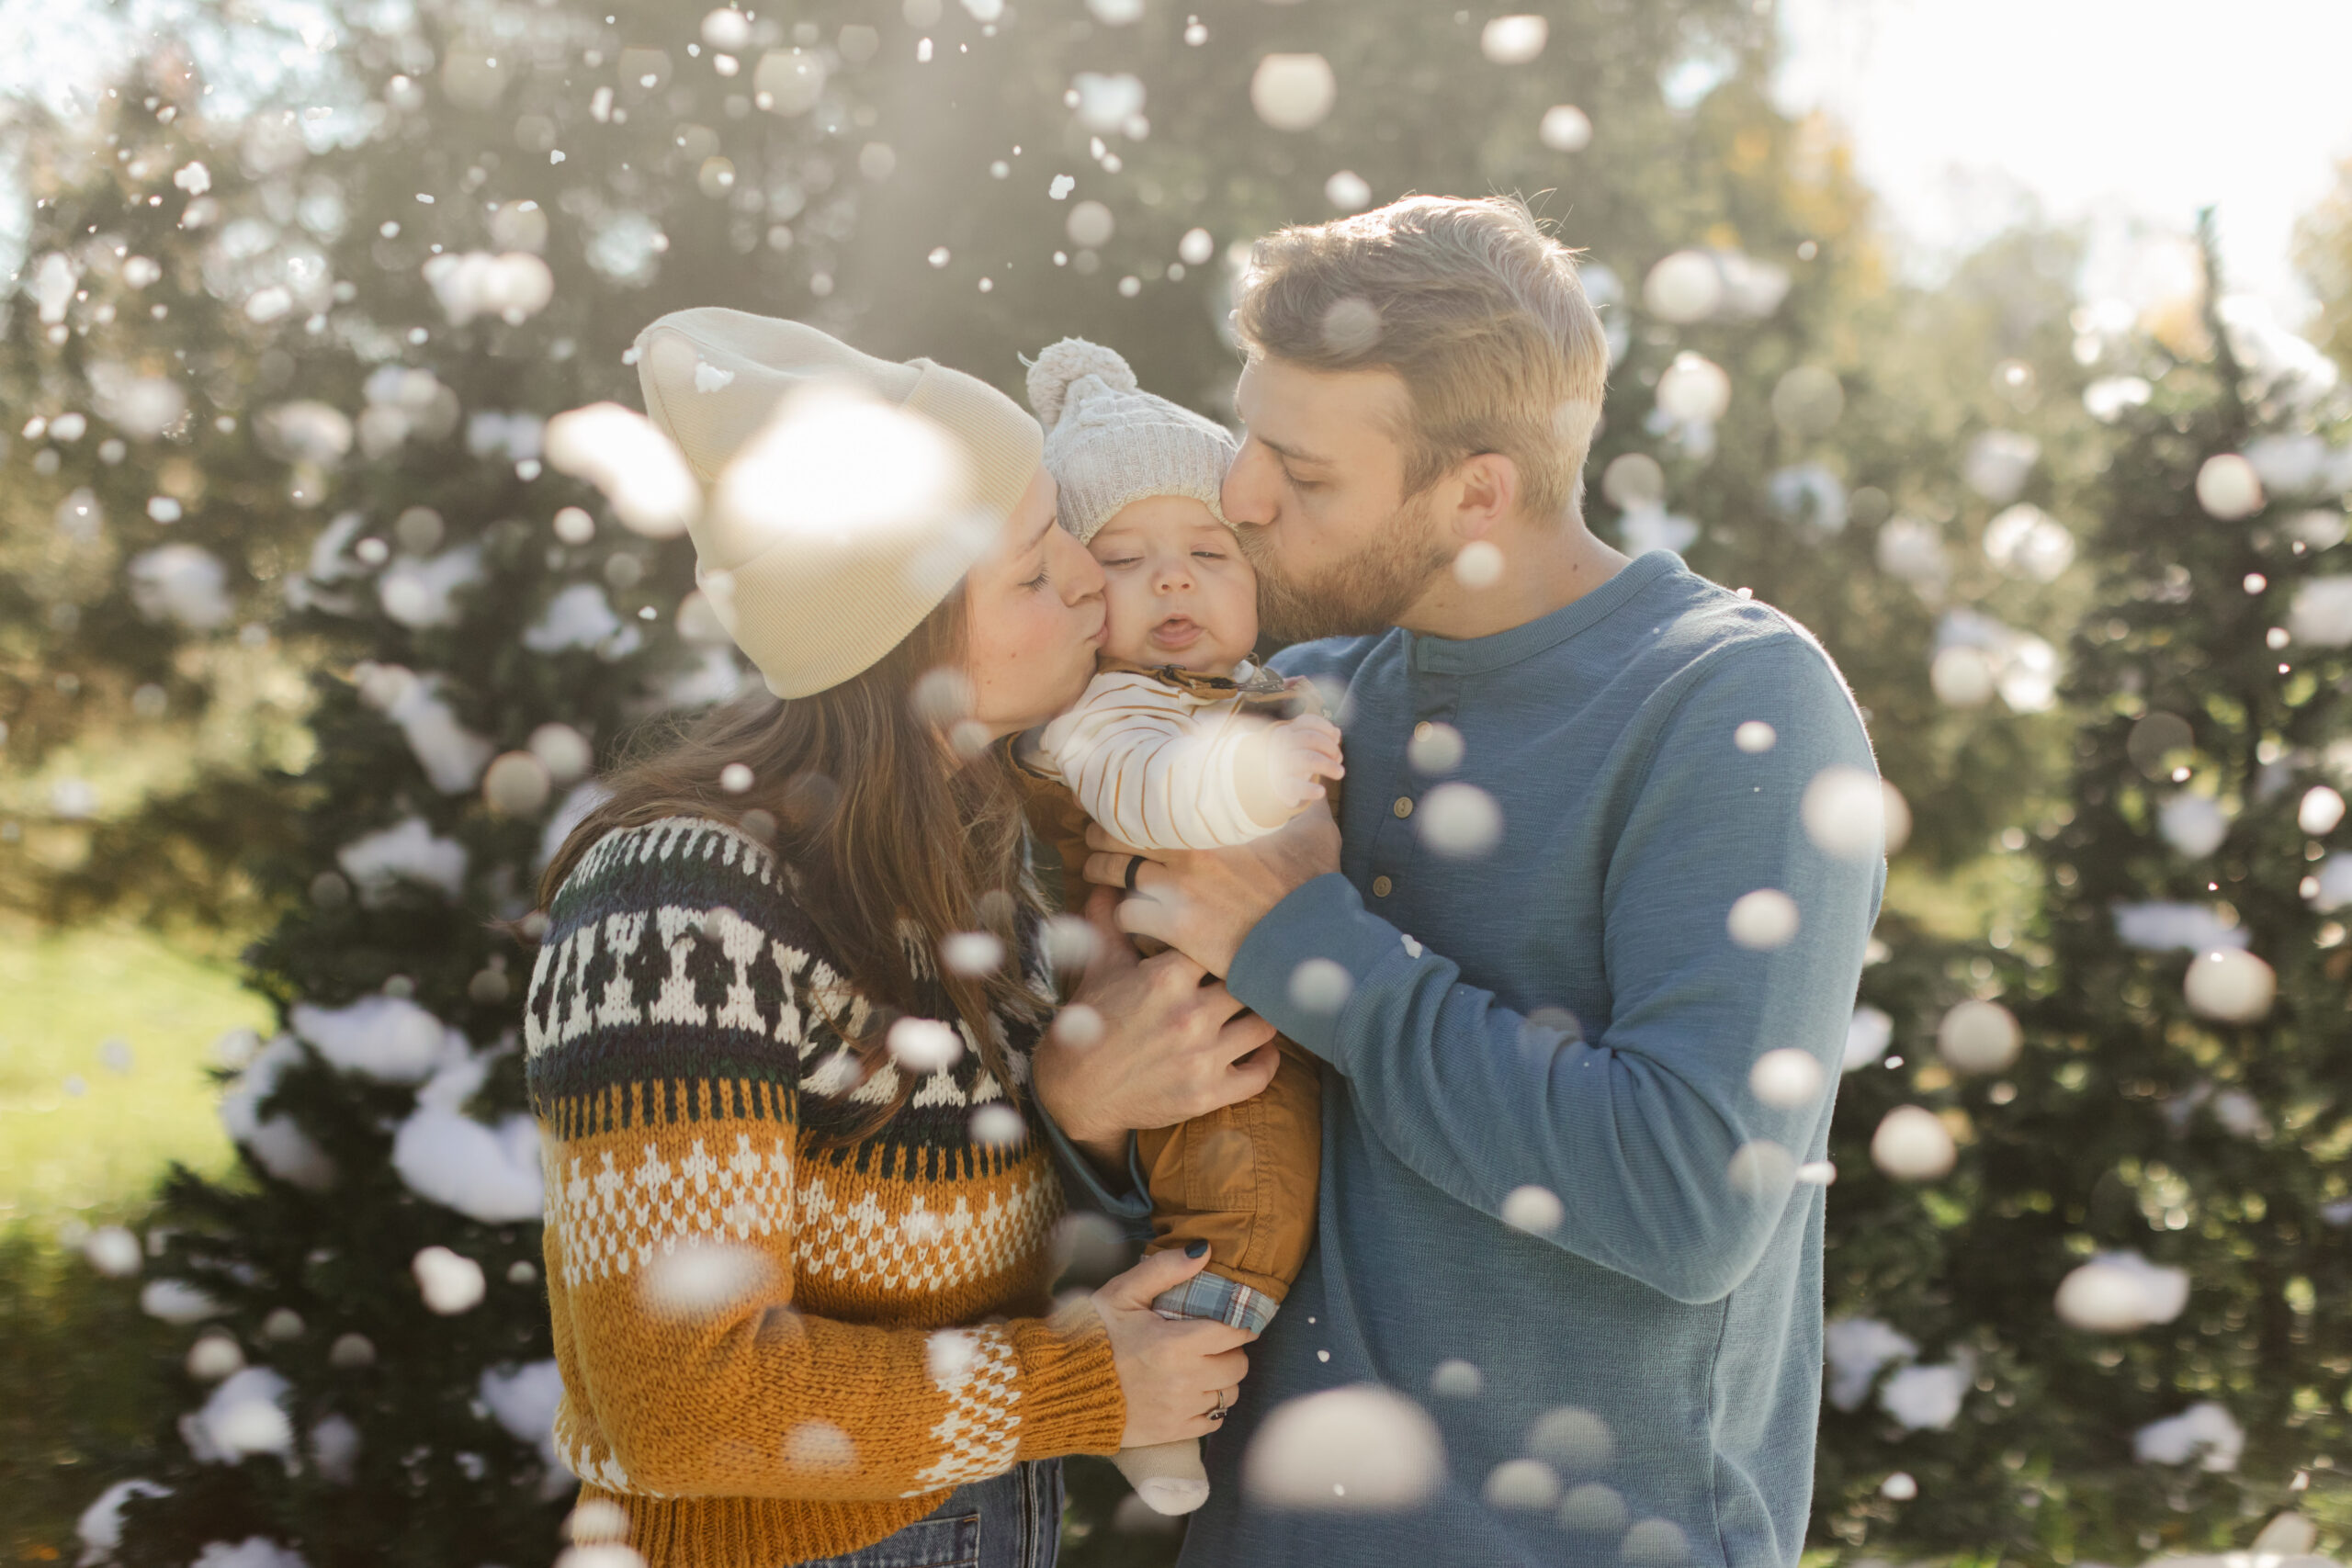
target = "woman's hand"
x: 1169, y: 1047
x: 1173, y: 1372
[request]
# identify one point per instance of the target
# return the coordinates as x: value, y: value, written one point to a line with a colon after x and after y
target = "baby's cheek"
x: 1127, y: 616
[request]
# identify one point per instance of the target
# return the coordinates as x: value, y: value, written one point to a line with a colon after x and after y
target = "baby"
x: 1179, y: 742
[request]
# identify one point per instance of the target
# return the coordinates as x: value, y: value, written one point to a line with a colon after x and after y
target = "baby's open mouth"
x: 1177, y: 632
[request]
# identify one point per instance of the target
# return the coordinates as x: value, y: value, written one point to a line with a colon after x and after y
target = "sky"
x: 2127, y: 114
x: 58, y: 56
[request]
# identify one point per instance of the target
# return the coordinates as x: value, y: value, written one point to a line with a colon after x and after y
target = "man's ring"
x: 1218, y: 1414
x: 1135, y: 864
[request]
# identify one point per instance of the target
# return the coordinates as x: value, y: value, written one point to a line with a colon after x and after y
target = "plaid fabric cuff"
x: 1218, y: 1300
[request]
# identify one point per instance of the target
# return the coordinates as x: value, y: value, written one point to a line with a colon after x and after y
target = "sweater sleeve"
x: 745, y: 1396
x: 1158, y: 770
x: 1634, y: 1136
x: 685, y: 1220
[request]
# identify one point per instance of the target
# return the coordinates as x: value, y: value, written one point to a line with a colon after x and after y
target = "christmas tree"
x: 143, y: 528
x: 390, y: 296
x: 2079, y: 1303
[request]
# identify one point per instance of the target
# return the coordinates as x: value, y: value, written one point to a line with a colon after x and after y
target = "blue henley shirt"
x: 1567, y: 1010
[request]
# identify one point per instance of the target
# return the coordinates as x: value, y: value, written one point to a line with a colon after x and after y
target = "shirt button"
x: 1380, y: 887
x: 1404, y: 806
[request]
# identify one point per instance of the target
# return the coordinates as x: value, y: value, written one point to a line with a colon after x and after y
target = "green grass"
x: 81, y: 1371
x: 77, y: 1136
x: 84, y: 1379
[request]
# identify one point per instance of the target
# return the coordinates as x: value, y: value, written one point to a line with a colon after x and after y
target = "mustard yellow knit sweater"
x: 770, y: 1351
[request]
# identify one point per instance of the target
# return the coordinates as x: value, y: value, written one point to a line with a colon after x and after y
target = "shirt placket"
x: 1391, y: 871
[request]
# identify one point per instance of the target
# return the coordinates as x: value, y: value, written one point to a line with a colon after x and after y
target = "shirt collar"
x: 1482, y: 655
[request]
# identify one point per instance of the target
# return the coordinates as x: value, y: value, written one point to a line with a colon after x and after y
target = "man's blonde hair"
x: 1473, y: 306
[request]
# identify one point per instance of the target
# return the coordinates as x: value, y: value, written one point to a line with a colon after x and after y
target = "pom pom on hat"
x: 1060, y: 368
x: 1109, y: 444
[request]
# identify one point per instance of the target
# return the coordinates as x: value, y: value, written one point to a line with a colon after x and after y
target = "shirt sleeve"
x: 1157, y: 769
x: 1652, y: 1153
x: 1130, y: 1209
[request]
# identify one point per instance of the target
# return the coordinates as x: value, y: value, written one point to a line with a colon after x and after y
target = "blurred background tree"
x: 2324, y: 255
x: 305, y: 650
x: 2077, y: 1298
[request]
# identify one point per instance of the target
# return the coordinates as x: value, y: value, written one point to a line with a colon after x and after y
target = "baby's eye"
x: 1209, y: 555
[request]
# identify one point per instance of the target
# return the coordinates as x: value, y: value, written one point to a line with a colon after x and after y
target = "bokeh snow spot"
x: 1458, y: 820
x: 2122, y: 1292
x: 1786, y: 1078
x: 1978, y: 1037
x: 1912, y: 1145
x: 1321, y: 986
x: 246, y: 1415
x: 1293, y: 92
x: 1858, y: 1350
x: 2205, y: 1432
x: 1762, y: 921
x: 2229, y: 987
x: 449, y: 1281
x: 1868, y: 1034
x: 1535, y: 1210
x: 1359, y: 1449
x: 696, y: 1279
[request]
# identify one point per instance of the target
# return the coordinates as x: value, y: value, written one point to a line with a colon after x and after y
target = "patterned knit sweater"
x: 772, y: 1351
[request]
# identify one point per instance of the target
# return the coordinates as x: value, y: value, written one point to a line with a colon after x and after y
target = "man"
x: 1572, y: 902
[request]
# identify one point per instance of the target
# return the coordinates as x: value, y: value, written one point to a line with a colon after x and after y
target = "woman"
x: 781, y: 1028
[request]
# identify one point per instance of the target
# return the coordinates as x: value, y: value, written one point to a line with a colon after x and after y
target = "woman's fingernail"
x: 1196, y: 1248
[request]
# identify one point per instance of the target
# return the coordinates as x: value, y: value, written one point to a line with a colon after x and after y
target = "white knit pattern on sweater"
x: 1157, y: 766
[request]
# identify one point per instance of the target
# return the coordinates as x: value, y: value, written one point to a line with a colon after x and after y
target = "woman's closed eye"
x: 1110, y: 562
x: 1039, y: 581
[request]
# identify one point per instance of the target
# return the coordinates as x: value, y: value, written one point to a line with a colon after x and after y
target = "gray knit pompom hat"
x: 1108, y: 444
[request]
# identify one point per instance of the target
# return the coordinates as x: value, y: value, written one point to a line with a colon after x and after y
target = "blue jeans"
x: 1013, y: 1520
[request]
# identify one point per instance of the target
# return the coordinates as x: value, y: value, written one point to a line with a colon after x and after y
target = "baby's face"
x: 1176, y: 586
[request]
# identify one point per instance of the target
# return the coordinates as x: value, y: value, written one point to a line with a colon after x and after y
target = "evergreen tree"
x: 385, y: 314
x: 2324, y: 258
x: 2104, y: 1334
x: 134, y: 574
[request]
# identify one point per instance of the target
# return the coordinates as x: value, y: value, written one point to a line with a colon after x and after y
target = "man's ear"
x: 1486, y: 491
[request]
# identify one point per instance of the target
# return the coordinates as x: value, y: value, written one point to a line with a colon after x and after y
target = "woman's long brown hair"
x: 885, y: 832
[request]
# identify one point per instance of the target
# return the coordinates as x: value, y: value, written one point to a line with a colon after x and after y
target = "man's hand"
x: 1156, y: 1046
x: 1203, y: 902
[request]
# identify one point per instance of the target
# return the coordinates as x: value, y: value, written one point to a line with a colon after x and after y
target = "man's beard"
x: 1361, y: 596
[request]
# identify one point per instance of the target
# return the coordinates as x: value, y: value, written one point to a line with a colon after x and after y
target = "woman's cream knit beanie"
x: 1107, y: 444
x: 816, y: 606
